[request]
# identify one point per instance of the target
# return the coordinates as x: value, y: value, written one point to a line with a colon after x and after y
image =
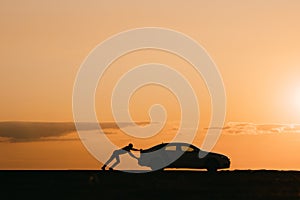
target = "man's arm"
x: 134, y: 149
x: 131, y: 154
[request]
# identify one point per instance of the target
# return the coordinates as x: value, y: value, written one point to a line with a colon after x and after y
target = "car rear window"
x: 170, y: 148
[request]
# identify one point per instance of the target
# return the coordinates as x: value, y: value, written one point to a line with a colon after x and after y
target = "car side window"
x: 170, y: 148
x: 187, y: 148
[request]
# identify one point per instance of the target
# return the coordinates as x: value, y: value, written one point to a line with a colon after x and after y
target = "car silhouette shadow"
x: 181, y: 155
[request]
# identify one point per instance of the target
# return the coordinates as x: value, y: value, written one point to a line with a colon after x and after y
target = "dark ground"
x: 88, y: 184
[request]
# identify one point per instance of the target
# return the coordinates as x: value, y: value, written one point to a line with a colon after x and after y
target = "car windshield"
x: 186, y: 148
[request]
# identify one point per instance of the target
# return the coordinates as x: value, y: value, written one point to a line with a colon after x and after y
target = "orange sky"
x: 255, y: 44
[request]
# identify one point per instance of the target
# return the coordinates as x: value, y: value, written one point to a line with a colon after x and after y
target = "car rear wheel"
x: 212, y: 165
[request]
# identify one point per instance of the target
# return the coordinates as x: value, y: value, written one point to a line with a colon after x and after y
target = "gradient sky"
x: 254, y: 43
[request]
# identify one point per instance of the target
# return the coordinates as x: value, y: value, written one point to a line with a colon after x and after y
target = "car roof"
x: 176, y: 143
x: 159, y: 146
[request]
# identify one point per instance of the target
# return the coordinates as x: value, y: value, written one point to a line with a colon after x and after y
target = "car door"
x: 189, y: 158
x: 171, y: 152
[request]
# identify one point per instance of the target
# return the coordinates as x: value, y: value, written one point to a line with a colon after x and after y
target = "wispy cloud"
x: 54, y: 131
x: 251, y: 128
x: 50, y: 131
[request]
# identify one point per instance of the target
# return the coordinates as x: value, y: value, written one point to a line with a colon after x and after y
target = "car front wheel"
x: 212, y: 165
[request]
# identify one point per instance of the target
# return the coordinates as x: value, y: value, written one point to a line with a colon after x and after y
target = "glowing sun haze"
x: 295, y: 98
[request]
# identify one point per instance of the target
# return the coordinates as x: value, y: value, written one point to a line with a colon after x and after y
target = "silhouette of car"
x: 163, y: 154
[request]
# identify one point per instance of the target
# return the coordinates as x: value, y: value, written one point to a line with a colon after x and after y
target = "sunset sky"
x: 255, y: 45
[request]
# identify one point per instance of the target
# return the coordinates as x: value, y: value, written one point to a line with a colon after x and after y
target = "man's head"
x: 130, y: 145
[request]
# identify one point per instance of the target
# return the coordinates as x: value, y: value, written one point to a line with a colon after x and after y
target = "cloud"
x: 251, y: 128
x: 54, y: 131
x: 50, y: 131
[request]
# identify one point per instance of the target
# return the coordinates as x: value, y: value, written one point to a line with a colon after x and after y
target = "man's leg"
x: 117, y: 161
x: 109, y: 160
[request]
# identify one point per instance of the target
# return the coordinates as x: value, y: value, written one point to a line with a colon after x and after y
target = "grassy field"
x: 89, y: 184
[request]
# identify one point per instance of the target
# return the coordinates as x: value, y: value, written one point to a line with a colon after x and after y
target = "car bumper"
x: 226, y: 164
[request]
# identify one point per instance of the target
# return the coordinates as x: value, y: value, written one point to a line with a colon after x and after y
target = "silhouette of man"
x: 116, y: 155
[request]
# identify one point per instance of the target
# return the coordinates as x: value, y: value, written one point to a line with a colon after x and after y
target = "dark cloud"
x: 30, y: 131
x: 49, y: 131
